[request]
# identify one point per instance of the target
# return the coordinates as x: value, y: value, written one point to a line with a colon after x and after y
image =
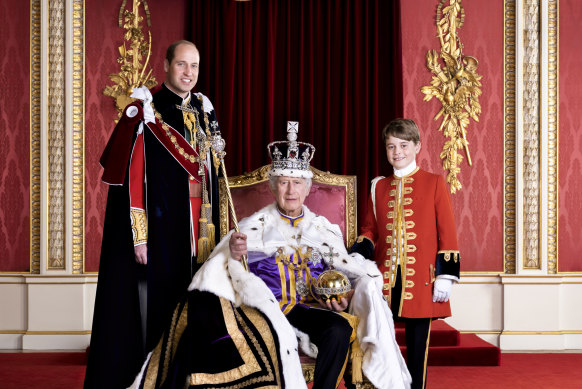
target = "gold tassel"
x: 204, y: 250
x: 206, y: 241
x: 357, y: 356
x: 211, y: 232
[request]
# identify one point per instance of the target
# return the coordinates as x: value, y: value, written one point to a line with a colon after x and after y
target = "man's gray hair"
x: 273, y: 181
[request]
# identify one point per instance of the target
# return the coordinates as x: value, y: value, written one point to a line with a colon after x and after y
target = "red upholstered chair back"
x: 331, y: 195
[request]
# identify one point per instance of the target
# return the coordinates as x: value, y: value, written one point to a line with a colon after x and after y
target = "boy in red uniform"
x: 410, y: 232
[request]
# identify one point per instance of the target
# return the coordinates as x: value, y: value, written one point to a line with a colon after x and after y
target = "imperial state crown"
x: 291, y: 158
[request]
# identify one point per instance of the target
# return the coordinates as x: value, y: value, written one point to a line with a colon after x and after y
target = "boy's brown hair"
x: 405, y: 129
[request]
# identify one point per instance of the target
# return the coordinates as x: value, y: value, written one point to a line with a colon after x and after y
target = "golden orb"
x: 332, y: 284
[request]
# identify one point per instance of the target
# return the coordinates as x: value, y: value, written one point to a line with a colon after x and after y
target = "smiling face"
x: 401, y: 152
x: 182, y: 72
x: 290, y: 193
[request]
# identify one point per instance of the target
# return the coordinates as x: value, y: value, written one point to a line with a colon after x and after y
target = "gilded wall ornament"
x: 133, y: 71
x: 456, y: 86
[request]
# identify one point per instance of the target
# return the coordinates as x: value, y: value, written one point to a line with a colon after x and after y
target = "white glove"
x: 442, y: 290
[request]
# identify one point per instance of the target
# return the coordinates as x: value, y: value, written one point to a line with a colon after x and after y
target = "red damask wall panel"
x: 102, y: 39
x: 14, y: 136
x: 570, y: 138
x: 478, y: 206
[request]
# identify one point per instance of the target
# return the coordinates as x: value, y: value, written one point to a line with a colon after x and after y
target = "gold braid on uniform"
x: 356, y: 354
x: 206, y: 238
x: 139, y: 226
x: 206, y: 232
x: 191, y: 122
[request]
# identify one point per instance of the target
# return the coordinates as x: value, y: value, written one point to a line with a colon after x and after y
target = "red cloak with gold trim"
x: 116, y: 350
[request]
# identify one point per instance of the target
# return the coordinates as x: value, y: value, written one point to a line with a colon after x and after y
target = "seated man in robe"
x: 239, y: 328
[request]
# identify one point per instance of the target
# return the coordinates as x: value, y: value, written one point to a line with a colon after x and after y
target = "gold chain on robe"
x: 206, y: 229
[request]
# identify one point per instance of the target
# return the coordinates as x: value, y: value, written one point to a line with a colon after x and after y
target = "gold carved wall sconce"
x: 456, y: 85
x: 134, y: 56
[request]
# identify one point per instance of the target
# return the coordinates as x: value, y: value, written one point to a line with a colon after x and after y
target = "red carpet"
x: 517, y: 371
x: 441, y: 334
x: 450, y: 355
x: 448, y: 347
x: 42, y: 370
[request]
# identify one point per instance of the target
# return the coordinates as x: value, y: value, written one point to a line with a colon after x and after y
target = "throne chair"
x: 331, y: 195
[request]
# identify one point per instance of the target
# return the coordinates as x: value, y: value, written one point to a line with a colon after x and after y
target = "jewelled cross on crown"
x: 292, y: 129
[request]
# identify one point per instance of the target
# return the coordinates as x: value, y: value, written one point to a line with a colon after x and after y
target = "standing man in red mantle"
x: 158, y: 224
x: 410, y: 232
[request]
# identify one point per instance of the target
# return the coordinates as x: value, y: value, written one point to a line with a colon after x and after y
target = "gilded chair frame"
x: 261, y: 174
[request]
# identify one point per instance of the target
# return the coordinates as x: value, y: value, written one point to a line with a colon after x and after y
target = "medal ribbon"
x: 176, y: 145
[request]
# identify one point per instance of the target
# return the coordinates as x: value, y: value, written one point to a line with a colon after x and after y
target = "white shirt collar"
x: 186, y: 100
x: 405, y: 171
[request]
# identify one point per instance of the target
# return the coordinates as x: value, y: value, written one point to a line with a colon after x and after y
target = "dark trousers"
x: 417, y: 332
x: 330, y: 332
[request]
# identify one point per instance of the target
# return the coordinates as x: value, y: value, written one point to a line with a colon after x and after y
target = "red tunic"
x: 419, y: 228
